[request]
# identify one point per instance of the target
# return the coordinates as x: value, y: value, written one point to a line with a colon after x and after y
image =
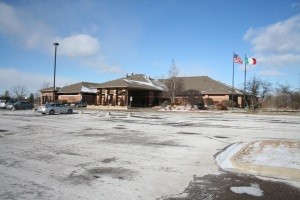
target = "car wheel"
x: 51, y: 112
x: 15, y: 108
x: 70, y: 111
x: 43, y: 113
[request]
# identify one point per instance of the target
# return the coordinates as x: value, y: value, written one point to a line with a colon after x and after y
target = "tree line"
x: 20, y: 93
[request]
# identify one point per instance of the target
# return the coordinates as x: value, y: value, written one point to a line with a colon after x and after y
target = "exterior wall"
x: 121, y: 97
x: 89, y: 98
x: 47, y: 97
x: 217, y: 98
x: 112, y: 96
x: 69, y: 98
x: 241, y: 101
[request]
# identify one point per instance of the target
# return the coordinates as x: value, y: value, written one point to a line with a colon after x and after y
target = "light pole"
x: 108, y: 100
x: 130, y: 99
x: 55, y: 45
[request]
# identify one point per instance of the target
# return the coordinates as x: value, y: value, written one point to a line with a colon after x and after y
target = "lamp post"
x: 130, y: 99
x: 108, y: 100
x: 55, y: 45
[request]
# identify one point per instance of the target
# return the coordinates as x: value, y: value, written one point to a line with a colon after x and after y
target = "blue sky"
x: 104, y: 40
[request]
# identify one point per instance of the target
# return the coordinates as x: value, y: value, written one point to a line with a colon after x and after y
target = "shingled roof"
x: 206, y: 85
x: 50, y: 89
x: 136, y: 81
x: 81, y: 87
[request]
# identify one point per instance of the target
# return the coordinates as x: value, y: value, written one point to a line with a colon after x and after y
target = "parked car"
x: 52, y: 108
x: 21, y: 105
x: 3, y: 103
x: 10, y: 102
x: 79, y: 104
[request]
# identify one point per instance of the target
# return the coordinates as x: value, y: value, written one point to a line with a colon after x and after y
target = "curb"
x: 263, y: 170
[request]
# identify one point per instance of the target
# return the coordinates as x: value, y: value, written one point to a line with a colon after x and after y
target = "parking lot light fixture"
x: 55, y: 45
x: 108, y: 100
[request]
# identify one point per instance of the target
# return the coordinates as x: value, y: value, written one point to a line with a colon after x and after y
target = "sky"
x: 102, y: 40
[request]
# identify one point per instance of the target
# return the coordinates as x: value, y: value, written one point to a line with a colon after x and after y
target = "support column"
x: 151, y: 98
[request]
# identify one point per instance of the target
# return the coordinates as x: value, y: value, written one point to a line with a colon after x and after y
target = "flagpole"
x: 232, y: 80
x: 245, y: 83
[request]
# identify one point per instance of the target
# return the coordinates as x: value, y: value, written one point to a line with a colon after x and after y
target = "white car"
x: 3, y: 103
x: 52, y: 108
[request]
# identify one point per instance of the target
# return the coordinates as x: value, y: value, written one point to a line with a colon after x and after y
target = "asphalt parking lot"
x: 150, y: 155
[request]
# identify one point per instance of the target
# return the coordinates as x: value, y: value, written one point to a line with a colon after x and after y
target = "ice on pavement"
x: 253, y: 190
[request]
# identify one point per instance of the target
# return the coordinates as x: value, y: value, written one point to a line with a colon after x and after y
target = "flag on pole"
x: 237, y: 59
x: 250, y: 61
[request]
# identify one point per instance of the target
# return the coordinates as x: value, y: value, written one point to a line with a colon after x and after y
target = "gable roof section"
x: 137, y: 81
x: 81, y: 87
x: 50, y: 89
x: 206, y: 85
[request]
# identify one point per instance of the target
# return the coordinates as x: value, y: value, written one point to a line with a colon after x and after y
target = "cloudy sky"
x: 103, y: 40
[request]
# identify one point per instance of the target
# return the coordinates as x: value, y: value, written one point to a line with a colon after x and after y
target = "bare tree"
x: 36, y: 95
x: 193, y: 97
x: 285, y: 97
x: 45, y: 84
x: 257, y: 88
x: 173, y: 83
x: 19, y: 92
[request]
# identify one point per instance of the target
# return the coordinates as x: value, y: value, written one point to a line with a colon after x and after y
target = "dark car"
x: 22, y: 105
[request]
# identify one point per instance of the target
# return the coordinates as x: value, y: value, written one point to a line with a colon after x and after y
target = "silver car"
x: 3, y: 103
x: 52, y: 108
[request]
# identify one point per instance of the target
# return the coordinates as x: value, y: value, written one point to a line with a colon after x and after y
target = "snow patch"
x: 253, y: 190
x: 88, y: 90
x: 275, y: 154
x: 223, y: 158
x: 151, y: 83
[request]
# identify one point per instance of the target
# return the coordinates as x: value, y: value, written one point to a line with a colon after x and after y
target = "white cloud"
x: 23, y: 29
x: 270, y: 73
x: 31, y: 32
x: 100, y: 65
x: 278, y: 60
x: 9, y: 21
x: 10, y: 77
x: 35, y: 34
x: 79, y: 46
x: 277, y: 44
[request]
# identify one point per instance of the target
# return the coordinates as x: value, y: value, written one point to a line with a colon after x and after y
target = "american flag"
x: 237, y: 59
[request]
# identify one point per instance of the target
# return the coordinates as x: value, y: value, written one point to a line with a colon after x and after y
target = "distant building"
x: 84, y: 91
x: 72, y: 93
x: 210, y: 88
x: 142, y: 90
x: 47, y: 94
